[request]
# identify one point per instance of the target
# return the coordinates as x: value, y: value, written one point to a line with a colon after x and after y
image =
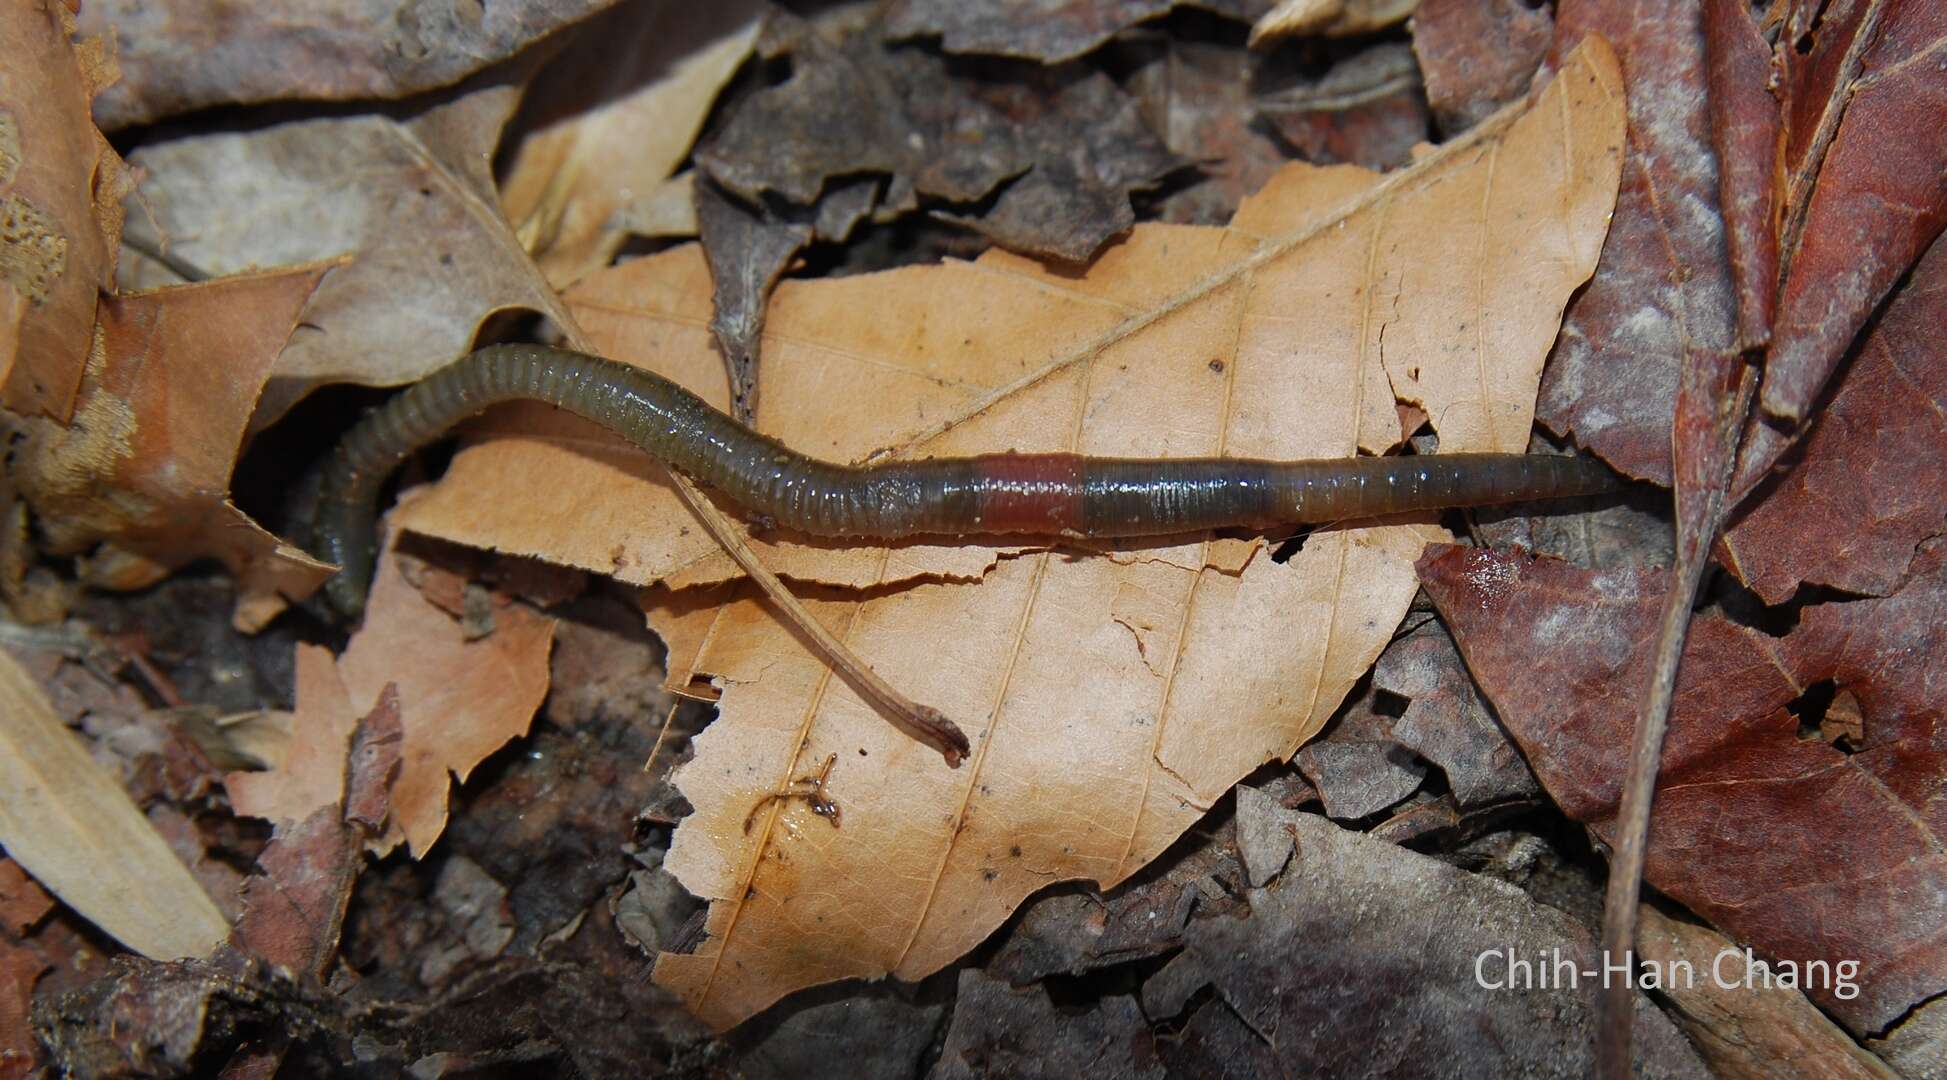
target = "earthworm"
x: 1059, y: 494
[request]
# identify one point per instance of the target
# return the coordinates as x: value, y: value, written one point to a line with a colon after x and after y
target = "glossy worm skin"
x: 993, y: 493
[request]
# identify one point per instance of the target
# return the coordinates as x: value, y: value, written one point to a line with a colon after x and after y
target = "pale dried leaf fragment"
x: 312, y: 774
x: 460, y: 699
x: 1332, y: 18
x: 653, y: 76
x: 70, y: 824
x: 411, y: 198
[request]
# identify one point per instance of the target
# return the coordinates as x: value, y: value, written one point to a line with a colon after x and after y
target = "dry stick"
x: 923, y: 722
x: 1696, y: 532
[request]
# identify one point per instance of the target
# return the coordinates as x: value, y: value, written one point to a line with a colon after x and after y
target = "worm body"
x: 988, y: 494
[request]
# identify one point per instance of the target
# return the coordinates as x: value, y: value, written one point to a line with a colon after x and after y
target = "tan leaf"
x: 145, y: 466
x: 1111, y: 699
x: 412, y: 199
x: 66, y: 820
x: 312, y: 775
x: 459, y: 699
x: 643, y: 83
x: 1333, y: 18
x: 61, y: 189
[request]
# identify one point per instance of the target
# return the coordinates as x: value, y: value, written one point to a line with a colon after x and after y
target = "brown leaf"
x: 612, y: 115
x: 460, y: 698
x: 1865, y: 177
x: 1866, y: 490
x: 1662, y: 295
x: 1447, y: 721
x: 182, y: 56
x: 312, y: 774
x: 1793, y: 846
x: 1059, y: 30
x: 70, y: 824
x: 294, y: 907
x: 1202, y: 99
x: 1477, y: 55
x: 748, y: 252
x: 1002, y: 353
x: 144, y: 469
x: 1369, y: 109
x: 61, y: 189
x: 412, y: 200
x: 1746, y: 1031
x: 20, y: 968
x: 1363, y: 959
x: 22, y: 902
x: 1000, y: 1031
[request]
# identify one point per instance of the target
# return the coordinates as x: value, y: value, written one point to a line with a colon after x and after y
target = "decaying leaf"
x: 61, y: 189
x: 70, y: 824
x: 608, y: 139
x: 412, y: 200
x: 144, y: 469
x: 1447, y: 721
x: 1865, y: 176
x: 1744, y: 125
x: 1663, y: 291
x: 20, y: 969
x: 181, y: 56
x: 1360, y: 958
x: 1477, y: 55
x: 1203, y: 659
x: 1866, y: 490
x: 1369, y: 109
x: 1057, y: 30
x: 1744, y: 802
x: 1002, y: 1031
x: 460, y: 698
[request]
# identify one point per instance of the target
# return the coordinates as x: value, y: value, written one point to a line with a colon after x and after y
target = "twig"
x: 1716, y: 396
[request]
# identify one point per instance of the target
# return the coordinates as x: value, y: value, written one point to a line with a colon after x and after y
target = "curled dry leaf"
x: 61, y: 189
x: 411, y: 199
x: 191, y: 55
x: 1441, y: 284
x: 1662, y: 294
x: 623, y: 103
x: 70, y: 824
x: 460, y: 697
x: 144, y: 469
x: 1798, y: 848
x: 1866, y: 491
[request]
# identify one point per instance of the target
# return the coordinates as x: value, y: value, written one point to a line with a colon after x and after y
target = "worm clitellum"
x: 1067, y: 494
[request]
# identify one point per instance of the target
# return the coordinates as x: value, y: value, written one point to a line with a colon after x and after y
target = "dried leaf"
x: 1477, y: 55
x: 1866, y: 490
x: 1332, y: 18
x: 460, y: 698
x: 1662, y: 296
x: 1865, y: 157
x: 1003, y: 353
x: 1793, y: 846
x: 1363, y: 959
x: 748, y: 252
x: 622, y: 106
x: 1448, y: 722
x: 1055, y: 30
x: 20, y: 969
x: 22, y: 902
x: 312, y: 775
x: 1747, y: 1031
x: 182, y: 56
x: 1369, y: 109
x: 411, y: 199
x: 61, y: 189
x: 68, y: 822
x: 1202, y: 100
x: 144, y: 469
